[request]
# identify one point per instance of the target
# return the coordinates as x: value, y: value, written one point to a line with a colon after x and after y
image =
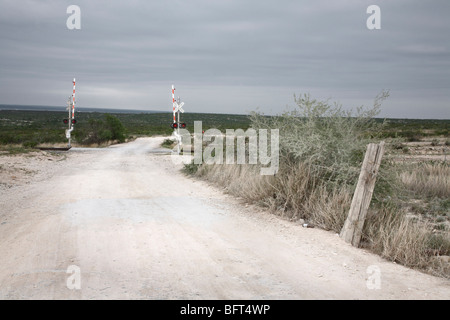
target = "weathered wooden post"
x: 351, y: 232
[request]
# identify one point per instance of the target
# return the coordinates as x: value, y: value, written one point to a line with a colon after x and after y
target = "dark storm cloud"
x: 227, y: 56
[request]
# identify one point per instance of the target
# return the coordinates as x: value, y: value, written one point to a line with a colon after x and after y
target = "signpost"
x: 177, y: 107
x: 71, y: 121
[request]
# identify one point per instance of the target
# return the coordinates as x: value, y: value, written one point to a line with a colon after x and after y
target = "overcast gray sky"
x: 228, y: 56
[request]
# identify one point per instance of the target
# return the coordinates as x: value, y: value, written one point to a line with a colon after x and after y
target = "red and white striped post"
x: 73, y: 100
x: 177, y: 108
x: 71, y: 108
x: 173, y: 103
x: 175, y: 129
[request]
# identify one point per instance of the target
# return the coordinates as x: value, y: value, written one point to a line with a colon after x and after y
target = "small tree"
x: 116, y: 128
x: 100, y: 131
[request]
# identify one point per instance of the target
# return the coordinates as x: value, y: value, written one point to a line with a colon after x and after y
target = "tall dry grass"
x: 239, y: 180
x: 429, y: 179
x: 292, y: 193
x: 397, y: 237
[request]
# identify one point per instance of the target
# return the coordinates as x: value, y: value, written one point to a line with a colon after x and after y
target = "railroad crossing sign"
x: 71, y: 108
x: 177, y: 107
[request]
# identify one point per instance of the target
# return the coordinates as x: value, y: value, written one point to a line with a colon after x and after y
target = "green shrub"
x: 117, y: 130
x: 329, y: 139
x: 99, y: 131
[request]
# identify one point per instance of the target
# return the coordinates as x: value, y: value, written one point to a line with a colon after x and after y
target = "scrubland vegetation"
x: 321, y: 151
x: 20, y: 130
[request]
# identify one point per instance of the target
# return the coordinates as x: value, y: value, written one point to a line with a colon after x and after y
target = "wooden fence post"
x: 351, y: 232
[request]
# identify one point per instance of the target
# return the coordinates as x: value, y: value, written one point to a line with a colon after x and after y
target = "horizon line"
x: 83, y: 109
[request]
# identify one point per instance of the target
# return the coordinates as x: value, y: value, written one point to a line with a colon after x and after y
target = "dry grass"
x: 240, y: 180
x: 328, y: 210
x: 429, y: 179
x: 395, y: 236
x: 293, y: 193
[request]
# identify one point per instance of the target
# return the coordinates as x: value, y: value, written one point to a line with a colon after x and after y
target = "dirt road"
x: 124, y: 223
